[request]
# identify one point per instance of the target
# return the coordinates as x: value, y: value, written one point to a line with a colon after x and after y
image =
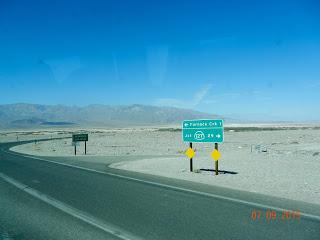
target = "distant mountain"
x: 24, y: 115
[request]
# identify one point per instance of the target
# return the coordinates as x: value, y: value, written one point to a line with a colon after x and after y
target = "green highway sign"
x: 203, y: 130
x: 83, y: 137
x: 203, y: 135
x: 202, y: 123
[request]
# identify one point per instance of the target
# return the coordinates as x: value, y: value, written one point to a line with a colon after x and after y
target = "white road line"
x: 254, y: 204
x: 108, y: 228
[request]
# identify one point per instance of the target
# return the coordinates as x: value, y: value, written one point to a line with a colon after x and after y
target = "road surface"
x: 58, y: 198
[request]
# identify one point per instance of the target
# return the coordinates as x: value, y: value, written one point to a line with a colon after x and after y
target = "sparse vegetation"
x: 251, y: 129
x: 169, y: 129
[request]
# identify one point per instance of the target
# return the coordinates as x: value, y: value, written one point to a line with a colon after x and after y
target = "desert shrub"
x: 169, y: 130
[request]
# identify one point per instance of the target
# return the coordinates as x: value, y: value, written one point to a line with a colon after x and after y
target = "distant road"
x: 45, y: 200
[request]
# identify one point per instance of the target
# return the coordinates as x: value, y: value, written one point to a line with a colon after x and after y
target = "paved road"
x: 138, y: 206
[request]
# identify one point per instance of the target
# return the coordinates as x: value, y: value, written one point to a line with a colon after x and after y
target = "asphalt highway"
x: 48, y: 198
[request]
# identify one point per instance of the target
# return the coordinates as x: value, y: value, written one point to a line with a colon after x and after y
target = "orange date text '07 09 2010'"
x: 284, y: 215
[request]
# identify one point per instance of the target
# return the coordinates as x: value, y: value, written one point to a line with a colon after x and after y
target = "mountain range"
x: 31, y: 115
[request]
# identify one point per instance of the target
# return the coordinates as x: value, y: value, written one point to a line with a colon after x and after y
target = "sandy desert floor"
x: 282, y: 162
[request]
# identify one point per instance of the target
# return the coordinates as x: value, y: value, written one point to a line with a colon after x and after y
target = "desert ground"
x: 277, y: 160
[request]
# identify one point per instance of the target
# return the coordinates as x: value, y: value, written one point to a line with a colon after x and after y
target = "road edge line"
x: 115, y: 231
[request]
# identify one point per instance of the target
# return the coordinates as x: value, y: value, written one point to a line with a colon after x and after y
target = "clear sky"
x: 247, y: 59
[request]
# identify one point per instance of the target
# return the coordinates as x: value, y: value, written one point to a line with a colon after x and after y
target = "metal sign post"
x: 190, y: 154
x: 191, y: 159
x: 216, y: 162
x: 216, y: 156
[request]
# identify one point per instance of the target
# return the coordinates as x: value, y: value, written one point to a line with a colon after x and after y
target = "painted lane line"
x: 180, y: 189
x: 108, y: 228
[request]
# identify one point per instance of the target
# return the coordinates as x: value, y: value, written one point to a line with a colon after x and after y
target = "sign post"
x: 216, y: 162
x: 203, y: 130
x: 216, y: 155
x: 191, y: 159
x: 190, y: 154
x: 83, y: 137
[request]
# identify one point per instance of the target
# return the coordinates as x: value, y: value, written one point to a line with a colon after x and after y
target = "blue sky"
x: 256, y: 60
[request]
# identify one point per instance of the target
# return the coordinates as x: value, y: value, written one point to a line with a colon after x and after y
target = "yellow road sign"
x: 215, y: 155
x: 190, y: 153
